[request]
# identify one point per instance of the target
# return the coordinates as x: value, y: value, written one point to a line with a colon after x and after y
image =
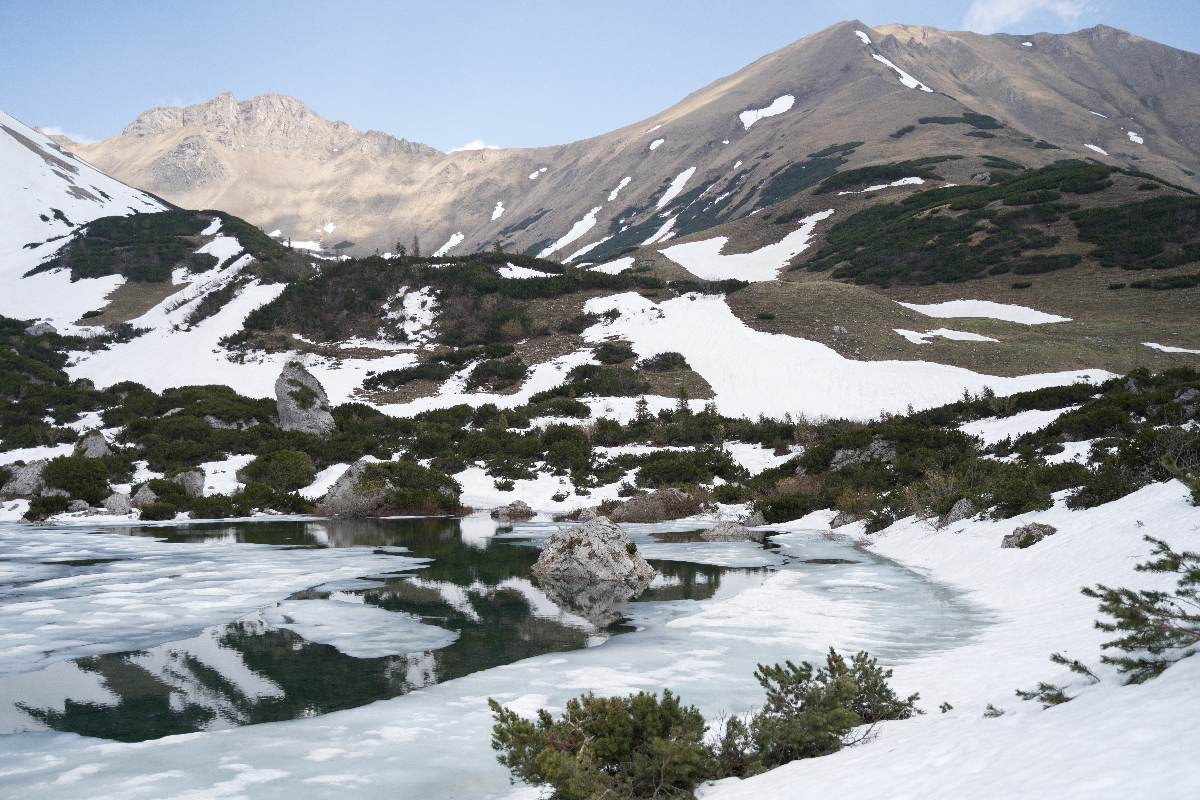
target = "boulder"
x: 517, y: 510
x: 961, y: 510
x: 595, y: 551
x: 118, y: 503
x: 26, y: 481
x: 192, y: 482
x: 301, y: 401
x: 351, y: 497
x: 879, y: 449
x: 1187, y: 397
x: 222, y: 425
x: 587, y: 514
x: 1028, y: 535
x: 664, y: 504
x: 48, y: 492
x: 595, y: 601
x: 842, y: 518
x: 92, y: 445
x: 78, y: 505
x: 39, y: 328
x: 755, y: 520
x: 730, y: 531
x: 143, y: 497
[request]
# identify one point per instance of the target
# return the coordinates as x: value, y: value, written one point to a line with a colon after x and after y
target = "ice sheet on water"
x: 358, y: 630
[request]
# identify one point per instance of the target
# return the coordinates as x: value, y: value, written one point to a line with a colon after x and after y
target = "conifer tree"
x: 416, y: 247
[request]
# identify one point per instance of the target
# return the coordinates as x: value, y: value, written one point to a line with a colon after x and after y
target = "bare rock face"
x: 596, y: 551
x: 842, y: 518
x: 729, y: 531
x: 192, y: 482
x: 755, y: 520
x: 664, y: 504
x: 143, y: 497
x: 26, y: 481
x: 78, y: 505
x: 39, y: 328
x: 517, y: 509
x: 961, y: 510
x: 118, y: 503
x: 879, y: 449
x: 92, y: 445
x: 301, y: 400
x: 1028, y: 535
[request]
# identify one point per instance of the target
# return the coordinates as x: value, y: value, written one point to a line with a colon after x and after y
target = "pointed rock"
x: 301, y: 401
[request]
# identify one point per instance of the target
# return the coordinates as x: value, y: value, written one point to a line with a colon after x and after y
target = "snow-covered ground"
x: 704, y: 260
x: 959, y: 336
x: 986, y: 309
x: 995, y: 429
x: 755, y: 372
x: 779, y: 106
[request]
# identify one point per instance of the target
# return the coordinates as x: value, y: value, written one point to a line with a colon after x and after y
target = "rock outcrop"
x: 143, y: 497
x: 729, y: 531
x: 369, y: 489
x: 517, y: 509
x: 39, y: 328
x: 961, y: 510
x: 236, y: 425
x: 93, y: 445
x: 878, y: 450
x: 25, y: 482
x: 593, y: 552
x: 594, y: 601
x: 664, y: 504
x: 1028, y: 535
x: 350, y: 496
x: 842, y: 518
x: 118, y: 503
x: 755, y: 520
x: 78, y: 505
x: 192, y: 482
x: 301, y: 401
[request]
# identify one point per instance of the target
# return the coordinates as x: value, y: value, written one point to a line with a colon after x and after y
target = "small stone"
x: 39, y: 328
x: 982, y: 176
x: 26, y: 481
x: 77, y: 506
x: 517, y: 509
x: 222, y: 425
x: 729, y: 531
x: 192, y: 482
x: 301, y: 401
x: 92, y: 445
x: 1028, y: 535
x: 143, y: 497
x: 118, y: 503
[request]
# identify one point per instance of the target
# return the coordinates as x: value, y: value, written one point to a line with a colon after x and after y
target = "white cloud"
x: 54, y: 130
x: 478, y: 144
x: 990, y: 16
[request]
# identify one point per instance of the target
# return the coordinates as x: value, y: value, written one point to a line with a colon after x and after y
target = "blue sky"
x: 522, y: 73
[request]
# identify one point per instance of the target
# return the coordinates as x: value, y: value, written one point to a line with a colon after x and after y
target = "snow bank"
x: 614, y: 267
x: 583, y: 251
x: 577, y: 231
x: 1097, y: 149
x: 704, y: 259
x: 865, y: 39
x: 453, y: 241
x: 754, y: 372
x: 987, y: 309
x: 945, y: 333
x: 1133, y: 137
x: 1166, y: 349
x: 655, y: 144
x: 513, y: 271
x: 905, y: 78
x: 901, y: 182
x: 994, y: 429
x: 676, y: 186
x: 498, y: 211
x: 661, y: 233
x: 779, y: 106
x: 613, y: 194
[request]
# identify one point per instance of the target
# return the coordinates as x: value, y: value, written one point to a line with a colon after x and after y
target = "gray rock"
x: 961, y: 510
x: 664, y: 504
x: 192, y: 482
x: 118, y: 503
x: 595, y: 551
x: 729, y: 531
x: 26, y: 481
x: 78, y: 505
x: 878, y: 450
x: 595, y: 601
x: 222, y: 425
x: 517, y: 509
x: 143, y: 497
x: 1187, y: 397
x: 588, y: 514
x: 39, y: 328
x: 754, y: 520
x: 48, y: 492
x: 92, y: 445
x: 981, y: 176
x: 301, y: 401
x: 842, y: 518
x: 350, y: 498
x: 1028, y: 535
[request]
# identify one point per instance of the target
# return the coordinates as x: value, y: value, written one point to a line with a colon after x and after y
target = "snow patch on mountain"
x: 676, y: 186
x: 905, y: 78
x: 704, y: 259
x: 453, y: 241
x: 1099, y: 150
x: 986, y: 309
x: 780, y: 105
x: 498, y: 211
x: 613, y: 194
x: 959, y: 336
x: 577, y: 232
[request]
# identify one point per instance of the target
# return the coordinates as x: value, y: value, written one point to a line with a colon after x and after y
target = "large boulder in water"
x: 517, y: 509
x: 729, y: 531
x: 665, y: 504
x: 596, y: 551
x: 26, y: 481
x: 373, y: 489
x: 301, y: 401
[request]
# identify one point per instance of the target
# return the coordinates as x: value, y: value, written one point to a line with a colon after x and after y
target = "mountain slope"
x: 276, y: 163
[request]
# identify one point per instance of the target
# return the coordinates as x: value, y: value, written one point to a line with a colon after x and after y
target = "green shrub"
x: 668, y: 472
x: 84, y: 478
x: 415, y: 489
x: 158, y: 511
x: 282, y: 470
x: 567, y: 447
x: 497, y: 374
x: 613, y: 352
x: 42, y: 507
x: 787, y: 507
x: 217, y: 506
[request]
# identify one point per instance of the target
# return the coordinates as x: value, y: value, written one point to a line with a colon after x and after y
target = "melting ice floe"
x: 704, y: 259
x: 905, y: 78
x: 985, y: 308
x: 780, y: 105
x: 451, y: 243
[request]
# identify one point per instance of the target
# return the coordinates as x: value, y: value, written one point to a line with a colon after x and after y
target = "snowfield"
x: 704, y: 259
x: 754, y: 372
x: 781, y: 104
x: 987, y: 309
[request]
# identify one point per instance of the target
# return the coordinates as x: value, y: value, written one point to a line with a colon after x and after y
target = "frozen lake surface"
x: 272, y: 658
